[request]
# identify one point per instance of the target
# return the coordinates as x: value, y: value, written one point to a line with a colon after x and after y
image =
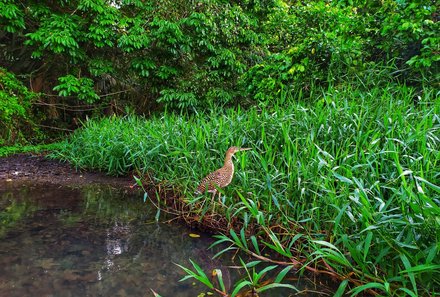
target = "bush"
x: 331, y: 42
x: 180, y: 55
x: 410, y: 34
x: 16, y: 120
x: 186, y: 55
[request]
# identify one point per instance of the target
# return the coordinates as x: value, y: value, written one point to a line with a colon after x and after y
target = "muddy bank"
x: 30, y: 167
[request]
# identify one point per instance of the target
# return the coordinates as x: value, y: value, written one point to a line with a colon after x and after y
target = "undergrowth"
x: 347, y: 185
x: 18, y: 149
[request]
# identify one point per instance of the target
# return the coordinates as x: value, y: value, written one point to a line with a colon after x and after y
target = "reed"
x: 353, y: 178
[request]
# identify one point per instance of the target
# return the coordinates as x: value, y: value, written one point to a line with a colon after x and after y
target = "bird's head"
x: 233, y: 149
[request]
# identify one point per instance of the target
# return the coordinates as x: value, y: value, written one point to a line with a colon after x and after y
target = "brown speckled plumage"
x: 221, y: 177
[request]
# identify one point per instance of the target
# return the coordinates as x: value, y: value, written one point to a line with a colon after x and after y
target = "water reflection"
x: 91, y: 242
x: 97, y: 241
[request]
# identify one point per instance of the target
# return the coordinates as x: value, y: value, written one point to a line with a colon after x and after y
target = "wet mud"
x: 38, y: 168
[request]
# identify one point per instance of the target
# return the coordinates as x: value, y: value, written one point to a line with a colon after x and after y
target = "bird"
x: 221, y: 177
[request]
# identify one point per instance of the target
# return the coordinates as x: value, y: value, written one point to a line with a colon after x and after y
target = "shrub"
x: 16, y: 120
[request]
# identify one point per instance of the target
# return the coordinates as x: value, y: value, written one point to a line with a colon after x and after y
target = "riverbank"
x: 38, y: 168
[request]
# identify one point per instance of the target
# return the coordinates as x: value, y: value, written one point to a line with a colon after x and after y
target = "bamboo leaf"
x: 341, y: 289
x: 239, y: 286
x: 408, y: 267
x: 283, y: 273
x: 274, y: 286
x: 368, y: 286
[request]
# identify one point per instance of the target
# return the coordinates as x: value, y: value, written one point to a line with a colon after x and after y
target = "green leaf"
x: 252, y: 264
x: 255, y: 244
x: 431, y: 185
x: 372, y: 285
x: 219, y: 275
x: 408, y: 267
x: 261, y: 273
x: 343, y: 178
x: 367, y: 244
x: 421, y: 268
x: 341, y: 289
x: 283, y: 273
x: 274, y: 286
x: 199, y: 275
x: 239, y: 286
x: 243, y: 238
x: 409, y: 292
x: 237, y: 240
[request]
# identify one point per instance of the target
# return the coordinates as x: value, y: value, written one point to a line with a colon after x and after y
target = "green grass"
x: 353, y: 178
x: 18, y: 149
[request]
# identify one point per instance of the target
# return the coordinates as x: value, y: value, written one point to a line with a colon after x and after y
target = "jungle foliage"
x: 195, y: 54
x: 16, y: 119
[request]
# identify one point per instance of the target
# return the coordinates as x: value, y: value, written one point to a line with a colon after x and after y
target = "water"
x: 99, y: 241
x: 91, y: 241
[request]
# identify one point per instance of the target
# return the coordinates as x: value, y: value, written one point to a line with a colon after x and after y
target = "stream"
x: 91, y: 241
x: 95, y: 240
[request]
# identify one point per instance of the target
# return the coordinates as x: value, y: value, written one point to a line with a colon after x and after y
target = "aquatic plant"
x: 253, y: 280
x: 346, y: 185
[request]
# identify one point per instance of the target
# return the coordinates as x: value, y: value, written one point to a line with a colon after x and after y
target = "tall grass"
x: 353, y: 178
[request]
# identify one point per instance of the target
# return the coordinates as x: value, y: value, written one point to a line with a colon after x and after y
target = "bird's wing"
x: 209, y: 180
x: 215, y: 176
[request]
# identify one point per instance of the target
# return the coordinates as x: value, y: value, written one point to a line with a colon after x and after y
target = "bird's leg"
x: 213, y: 200
x: 220, y: 197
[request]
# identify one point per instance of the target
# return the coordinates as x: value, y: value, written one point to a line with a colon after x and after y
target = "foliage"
x: 82, y: 87
x: 352, y: 174
x: 352, y: 179
x: 11, y: 16
x: 186, y: 55
x: 253, y: 281
x: 16, y: 120
x: 410, y: 32
x: 17, y: 149
x: 330, y: 42
x: 310, y: 43
x: 183, y: 55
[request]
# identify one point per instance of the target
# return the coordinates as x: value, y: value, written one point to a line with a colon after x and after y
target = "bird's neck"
x: 228, y: 161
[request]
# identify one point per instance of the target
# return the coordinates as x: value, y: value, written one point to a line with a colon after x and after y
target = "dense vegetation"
x: 349, y: 179
x: 15, y: 110
x: 88, y: 57
x: 338, y: 99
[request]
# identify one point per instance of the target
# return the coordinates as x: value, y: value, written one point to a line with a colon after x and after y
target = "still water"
x: 99, y: 241
x: 91, y: 241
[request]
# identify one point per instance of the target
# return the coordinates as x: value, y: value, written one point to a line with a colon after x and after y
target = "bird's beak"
x: 245, y: 149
